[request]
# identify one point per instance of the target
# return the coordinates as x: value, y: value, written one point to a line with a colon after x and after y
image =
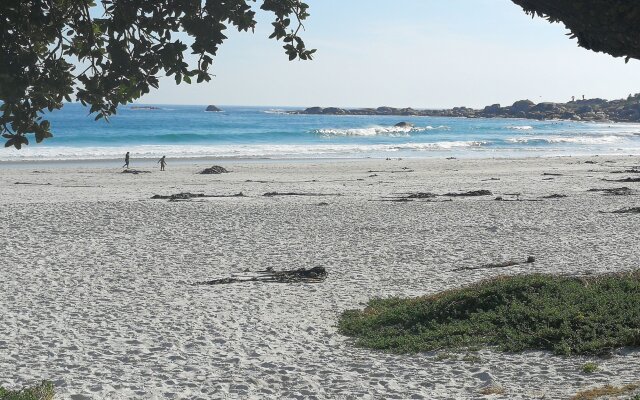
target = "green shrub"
x: 43, y: 391
x: 589, y: 368
x: 540, y: 312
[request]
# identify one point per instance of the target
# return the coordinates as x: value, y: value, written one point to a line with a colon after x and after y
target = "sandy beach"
x: 95, y: 276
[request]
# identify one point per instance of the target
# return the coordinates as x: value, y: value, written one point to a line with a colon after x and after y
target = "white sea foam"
x: 520, y: 127
x: 584, y: 140
x: 378, y: 131
x: 442, y: 145
x: 275, y: 111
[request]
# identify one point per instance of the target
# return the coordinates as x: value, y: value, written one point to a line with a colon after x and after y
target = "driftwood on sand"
x: 421, y: 195
x: 623, y: 180
x: 215, y: 170
x: 404, y: 169
x: 189, y: 196
x: 504, y: 264
x: 274, y: 194
x: 406, y: 197
x: 472, y: 193
x: 135, y: 171
x: 635, y: 170
x: 630, y: 210
x: 621, y: 191
x: 301, y: 275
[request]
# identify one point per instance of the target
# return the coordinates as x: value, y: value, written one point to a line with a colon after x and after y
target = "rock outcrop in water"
x: 404, y: 124
x: 625, y: 110
x: 213, y: 108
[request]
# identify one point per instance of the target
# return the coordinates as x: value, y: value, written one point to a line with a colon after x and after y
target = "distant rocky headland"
x: 626, y: 110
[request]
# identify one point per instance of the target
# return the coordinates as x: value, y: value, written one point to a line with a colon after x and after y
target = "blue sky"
x: 419, y: 53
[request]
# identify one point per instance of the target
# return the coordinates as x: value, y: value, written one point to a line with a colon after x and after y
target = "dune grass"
x: 566, y: 315
x: 43, y: 391
x: 607, y: 391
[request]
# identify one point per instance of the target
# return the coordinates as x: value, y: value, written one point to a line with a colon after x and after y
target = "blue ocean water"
x: 264, y: 132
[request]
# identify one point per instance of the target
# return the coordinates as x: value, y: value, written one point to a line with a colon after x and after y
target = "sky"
x: 408, y: 53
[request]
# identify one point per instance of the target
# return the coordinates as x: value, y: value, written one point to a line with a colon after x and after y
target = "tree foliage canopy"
x: 123, y: 48
x: 609, y: 26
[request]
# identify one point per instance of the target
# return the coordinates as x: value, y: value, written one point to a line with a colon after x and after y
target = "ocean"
x: 267, y: 132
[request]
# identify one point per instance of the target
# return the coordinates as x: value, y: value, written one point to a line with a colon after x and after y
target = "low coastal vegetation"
x: 566, y: 315
x: 607, y: 391
x: 589, y: 368
x: 489, y: 390
x: 43, y: 391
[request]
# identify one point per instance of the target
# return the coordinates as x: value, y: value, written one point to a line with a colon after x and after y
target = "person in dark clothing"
x: 126, y: 161
x: 162, y: 162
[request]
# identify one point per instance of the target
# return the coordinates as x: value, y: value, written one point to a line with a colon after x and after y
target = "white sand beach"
x: 95, y: 276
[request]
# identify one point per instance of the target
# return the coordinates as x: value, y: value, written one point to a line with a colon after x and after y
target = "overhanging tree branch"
x: 608, y: 26
x: 126, y: 50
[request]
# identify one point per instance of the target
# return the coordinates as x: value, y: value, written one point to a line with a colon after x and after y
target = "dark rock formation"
x: 627, y: 110
x: 313, y: 110
x: 334, y: 111
x: 216, y: 169
x: 386, y: 110
x: 213, y: 108
x: 404, y: 125
x: 494, y: 108
x: 522, y: 106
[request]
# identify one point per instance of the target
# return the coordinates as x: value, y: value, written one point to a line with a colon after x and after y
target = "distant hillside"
x: 627, y: 110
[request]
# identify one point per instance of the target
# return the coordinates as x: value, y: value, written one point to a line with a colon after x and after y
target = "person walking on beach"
x: 162, y: 162
x: 126, y: 161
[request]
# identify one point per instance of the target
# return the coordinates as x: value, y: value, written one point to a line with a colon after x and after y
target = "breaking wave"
x: 378, y: 131
x: 275, y: 111
x: 520, y: 127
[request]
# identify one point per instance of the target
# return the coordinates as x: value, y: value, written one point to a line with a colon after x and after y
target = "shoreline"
x: 198, y: 161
